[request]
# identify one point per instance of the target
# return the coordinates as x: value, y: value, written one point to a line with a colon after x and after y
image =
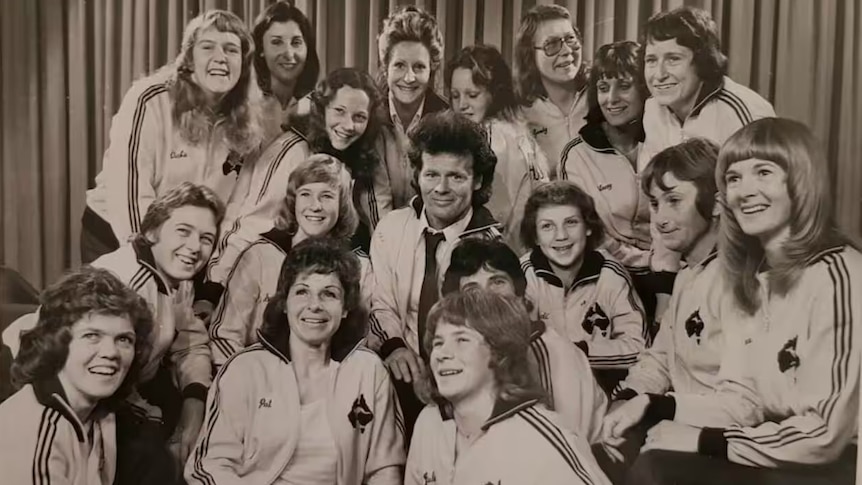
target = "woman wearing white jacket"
x: 308, y: 403
x: 480, y: 88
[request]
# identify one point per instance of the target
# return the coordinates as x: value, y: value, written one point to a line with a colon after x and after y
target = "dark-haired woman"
x: 308, y: 403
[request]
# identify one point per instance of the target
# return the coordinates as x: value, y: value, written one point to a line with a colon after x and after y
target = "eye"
x: 653, y: 204
x: 572, y: 222
x: 126, y: 340
x: 650, y: 60
x: 90, y: 336
x: 603, y: 87
x: 184, y: 231
x: 673, y: 201
x: 436, y: 343
x: 360, y: 118
x: 462, y: 340
x: 453, y: 95
x: 763, y: 172
x: 233, y: 49
x: 731, y: 178
x: 300, y: 291
x: 208, y: 239
x: 298, y: 42
x: 625, y: 85
x: 398, y: 65
x: 459, y: 178
x: 418, y: 67
x: 276, y: 41
x: 329, y: 294
x: 339, y: 110
x: 546, y: 226
x: 327, y: 196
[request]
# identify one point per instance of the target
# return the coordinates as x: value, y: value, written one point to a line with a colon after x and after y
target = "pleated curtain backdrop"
x: 65, y: 65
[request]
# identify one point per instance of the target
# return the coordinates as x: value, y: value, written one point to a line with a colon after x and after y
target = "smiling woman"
x: 192, y: 121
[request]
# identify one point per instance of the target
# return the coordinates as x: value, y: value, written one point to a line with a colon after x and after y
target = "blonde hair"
x: 792, y: 146
x: 409, y: 24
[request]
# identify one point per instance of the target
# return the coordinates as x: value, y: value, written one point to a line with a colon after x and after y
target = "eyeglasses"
x: 554, y: 45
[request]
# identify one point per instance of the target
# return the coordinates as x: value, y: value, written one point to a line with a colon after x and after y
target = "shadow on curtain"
x: 64, y: 67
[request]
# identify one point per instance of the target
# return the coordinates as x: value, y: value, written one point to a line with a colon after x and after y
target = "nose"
x: 108, y: 348
x: 348, y: 125
x: 443, y: 186
x: 613, y: 95
x: 660, y: 216
x: 442, y: 352
x: 560, y: 234
x: 193, y: 242
x: 409, y: 76
x: 662, y: 70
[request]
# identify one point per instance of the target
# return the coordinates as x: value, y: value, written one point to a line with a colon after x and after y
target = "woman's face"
x: 619, y: 99
x: 460, y: 362
x: 285, y: 51
x: 217, y: 62
x: 758, y: 197
x: 346, y: 116
x: 101, y: 352
x: 561, y: 233
x: 408, y: 72
x: 315, y: 308
x: 564, y: 61
x: 316, y: 208
x: 467, y: 98
x: 184, y: 243
x: 671, y: 75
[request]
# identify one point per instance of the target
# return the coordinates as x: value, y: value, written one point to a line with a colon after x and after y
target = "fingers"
x: 613, y: 453
x: 404, y: 366
x: 392, y: 364
x: 413, y: 363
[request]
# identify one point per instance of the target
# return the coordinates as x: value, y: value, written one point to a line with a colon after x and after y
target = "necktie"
x: 429, y: 294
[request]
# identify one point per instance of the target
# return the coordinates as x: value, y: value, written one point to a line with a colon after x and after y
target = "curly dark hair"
x: 283, y: 12
x: 693, y: 28
x: 361, y: 156
x: 471, y: 255
x: 323, y: 255
x: 527, y: 76
x: 504, y: 324
x: 490, y: 71
x: 449, y: 132
x: 615, y: 61
x: 561, y: 192
x: 83, y: 292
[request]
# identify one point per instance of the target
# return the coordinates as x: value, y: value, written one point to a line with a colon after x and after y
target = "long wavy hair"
x: 489, y: 70
x: 320, y: 168
x: 527, y: 76
x: 283, y: 12
x: 792, y: 146
x: 615, y: 61
x: 239, y: 109
x: 361, y: 156
x: 503, y: 323
x: 86, y: 291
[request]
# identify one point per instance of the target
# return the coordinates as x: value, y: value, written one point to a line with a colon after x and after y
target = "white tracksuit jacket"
x: 552, y: 128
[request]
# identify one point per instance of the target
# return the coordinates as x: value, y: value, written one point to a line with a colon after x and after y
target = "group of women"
x: 231, y: 222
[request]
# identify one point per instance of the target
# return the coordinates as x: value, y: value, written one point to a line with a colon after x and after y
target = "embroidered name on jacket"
x: 787, y: 356
x: 694, y: 326
x: 178, y: 154
x: 539, y: 130
x: 596, y: 318
x: 360, y: 415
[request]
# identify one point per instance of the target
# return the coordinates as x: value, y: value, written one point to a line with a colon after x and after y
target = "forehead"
x: 668, y: 46
x: 284, y: 29
x: 212, y: 34
x: 484, y: 273
x: 673, y: 184
x: 110, y: 324
x: 317, y: 280
x: 463, y: 78
x: 553, y: 28
x: 448, y: 162
x: 348, y: 95
x: 318, y: 187
x: 192, y: 215
x: 620, y: 77
x: 446, y: 329
x: 558, y: 212
x: 410, y: 51
x: 751, y: 163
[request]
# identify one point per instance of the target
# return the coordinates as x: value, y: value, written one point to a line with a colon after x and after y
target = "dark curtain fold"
x: 65, y: 65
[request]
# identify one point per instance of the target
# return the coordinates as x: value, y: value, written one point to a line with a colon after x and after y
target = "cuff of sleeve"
x: 661, y: 407
x: 209, y: 291
x: 390, y: 346
x: 582, y: 344
x: 711, y: 442
x: 195, y: 390
x: 663, y: 282
x: 624, y: 395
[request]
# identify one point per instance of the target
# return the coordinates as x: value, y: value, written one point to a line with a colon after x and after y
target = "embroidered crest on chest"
x: 360, y: 415
x: 694, y: 326
x: 787, y: 356
x: 596, y: 318
x: 429, y: 479
x: 233, y: 163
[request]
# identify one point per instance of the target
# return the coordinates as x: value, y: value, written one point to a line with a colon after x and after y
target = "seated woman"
x: 582, y: 293
x: 561, y: 368
x: 344, y: 122
x: 309, y: 403
x: 317, y: 204
x: 480, y: 87
x: 489, y: 425
x: 786, y: 407
x: 177, y: 236
x: 195, y: 120
x: 82, y: 357
x: 286, y: 64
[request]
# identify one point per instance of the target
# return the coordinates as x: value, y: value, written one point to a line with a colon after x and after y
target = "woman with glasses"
x: 480, y: 88
x: 552, y: 78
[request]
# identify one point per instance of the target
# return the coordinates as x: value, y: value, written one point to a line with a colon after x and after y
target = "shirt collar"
x: 450, y: 232
x: 393, y: 114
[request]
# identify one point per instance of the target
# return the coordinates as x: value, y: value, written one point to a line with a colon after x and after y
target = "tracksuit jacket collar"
x: 280, y: 238
x: 146, y: 259
x: 590, y: 269
x: 503, y: 409
x: 274, y: 335
x: 481, y: 220
x: 594, y: 136
x: 50, y: 393
x: 433, y: 104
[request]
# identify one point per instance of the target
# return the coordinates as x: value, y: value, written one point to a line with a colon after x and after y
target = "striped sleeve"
x: 827, y: 386
x: 628, y: 334
x: 218, y: 454
x: 130, y: 162
x: 51, y: 462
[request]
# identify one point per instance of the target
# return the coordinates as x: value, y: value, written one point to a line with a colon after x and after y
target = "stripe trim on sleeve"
x: 135, y: 215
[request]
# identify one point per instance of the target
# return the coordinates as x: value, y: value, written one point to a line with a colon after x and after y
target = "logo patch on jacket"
x: 233, y: 163
x: 787, y: 356
x: 360, y: 415
x: 596, y: 318
x: 694, y: 326
x: 429, y: 479
x: 538, y: 130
